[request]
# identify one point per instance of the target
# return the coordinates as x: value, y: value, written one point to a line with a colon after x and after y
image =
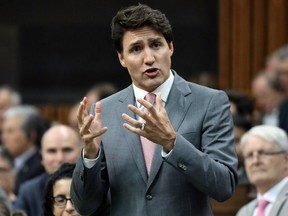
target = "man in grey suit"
x: 265, y: 151
x: 190, y: 128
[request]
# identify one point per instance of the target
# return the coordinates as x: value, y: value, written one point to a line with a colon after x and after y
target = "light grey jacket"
x: 279, y: 208
x: 202, y: 164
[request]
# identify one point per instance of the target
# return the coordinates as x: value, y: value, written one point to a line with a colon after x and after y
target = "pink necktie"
x: 148, y: 146
x: 261, y: 207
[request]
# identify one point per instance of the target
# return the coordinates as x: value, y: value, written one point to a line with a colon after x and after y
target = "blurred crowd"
x: 36, y: 154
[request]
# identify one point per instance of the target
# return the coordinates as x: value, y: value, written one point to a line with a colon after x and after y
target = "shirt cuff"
x: 164, y: 154
x: 89, y: 163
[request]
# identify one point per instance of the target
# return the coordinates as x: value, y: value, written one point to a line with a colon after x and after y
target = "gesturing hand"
x: 158, y: 127
x: 90, y: 128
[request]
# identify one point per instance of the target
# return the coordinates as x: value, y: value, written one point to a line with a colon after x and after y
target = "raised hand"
x: 157, y: 126
x: 90, y: 128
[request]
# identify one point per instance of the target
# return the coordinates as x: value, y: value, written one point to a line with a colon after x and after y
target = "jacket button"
x: 182, y: 166
x: 149, y: 197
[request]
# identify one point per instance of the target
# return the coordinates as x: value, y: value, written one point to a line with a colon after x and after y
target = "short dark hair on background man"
x: 135, y: 17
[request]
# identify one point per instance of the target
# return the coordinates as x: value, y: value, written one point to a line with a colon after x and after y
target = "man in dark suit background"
x: 189, y: 128
x: 23, y: 128
x: 271, y: 100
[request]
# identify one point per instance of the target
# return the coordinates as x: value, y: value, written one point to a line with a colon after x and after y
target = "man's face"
x: 5, y: 104
x: 263, y: 170
x: 282, y: 70
x: 13, y: 137
x: 59, y: 147
x: 147, y: 57
x: 266, y: 97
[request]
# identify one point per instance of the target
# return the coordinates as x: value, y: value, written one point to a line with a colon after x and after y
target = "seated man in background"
x: 23, y: 128
x: 60, y: 144
x: 271, y: 100
x: 7, y: 174
x: 9, y: 97
x: 265, y: 151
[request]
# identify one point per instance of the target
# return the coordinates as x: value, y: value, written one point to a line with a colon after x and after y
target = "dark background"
x: 53, y: 51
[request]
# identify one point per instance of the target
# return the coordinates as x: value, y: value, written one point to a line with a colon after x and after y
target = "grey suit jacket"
x: 279, y: 208
x: 202, y: 164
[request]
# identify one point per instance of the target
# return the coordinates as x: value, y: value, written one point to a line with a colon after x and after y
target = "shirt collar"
x: 272, y: 194
x: 164, y: 89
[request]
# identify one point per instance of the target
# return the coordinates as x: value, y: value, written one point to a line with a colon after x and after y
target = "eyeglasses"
x: 262, y: 154
x: 61, y: 200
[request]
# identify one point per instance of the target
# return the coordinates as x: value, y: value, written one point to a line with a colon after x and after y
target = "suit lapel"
x: 133, y: 140
x: 280, y: 200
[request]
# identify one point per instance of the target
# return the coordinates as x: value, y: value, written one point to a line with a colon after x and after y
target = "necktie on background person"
x: 148, y: 146
x: 261, y: 207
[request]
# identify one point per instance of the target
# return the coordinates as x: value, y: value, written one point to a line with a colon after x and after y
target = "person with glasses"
x: 265, y: 153
x: 57, y: 199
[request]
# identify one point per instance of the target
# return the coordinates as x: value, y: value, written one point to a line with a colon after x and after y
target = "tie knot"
x: 150, y: 97
x: 263, y: 203
x: 261, y: 207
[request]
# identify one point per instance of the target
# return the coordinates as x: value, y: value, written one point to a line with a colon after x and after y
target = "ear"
x: 171, y: 48
x: 121, y: 59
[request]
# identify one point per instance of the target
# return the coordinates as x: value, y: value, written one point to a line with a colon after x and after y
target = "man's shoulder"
x: 118, y: 96
x: 247, y: 209
x: 36, y: 182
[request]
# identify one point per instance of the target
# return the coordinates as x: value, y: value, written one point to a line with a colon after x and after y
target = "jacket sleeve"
x: 207, y: 156
x: 89, y: 186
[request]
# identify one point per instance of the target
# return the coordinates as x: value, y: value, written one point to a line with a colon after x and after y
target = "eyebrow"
x: 158, y: 38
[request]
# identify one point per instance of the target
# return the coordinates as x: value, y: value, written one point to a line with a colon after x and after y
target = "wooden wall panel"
x: 224, y: 52
x: 277, y: 23
x: 248, y: 32
x: 241, y: 42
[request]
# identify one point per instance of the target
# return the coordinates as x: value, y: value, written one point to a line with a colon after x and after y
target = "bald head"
x: 60, y: 144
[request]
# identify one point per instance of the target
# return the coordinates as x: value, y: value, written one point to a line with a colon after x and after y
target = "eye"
x: 135, y: 49
x: 51, y: 151
x: 67, y: 150
x: 156, y: 45
x: 60, y: 199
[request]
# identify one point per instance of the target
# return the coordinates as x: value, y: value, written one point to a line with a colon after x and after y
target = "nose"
x: 69, y: 207
x: 149, y: 57
x: 60, y: 156
x: 255, y: 157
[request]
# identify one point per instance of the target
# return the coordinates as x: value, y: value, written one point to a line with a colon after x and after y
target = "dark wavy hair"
x: 135, y: 17
x: 64, y: 172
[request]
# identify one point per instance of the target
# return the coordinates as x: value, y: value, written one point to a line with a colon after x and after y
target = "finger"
x: 86, y: 125
x: 98, y: 111
x: 90, y: 136
x: 145, y: 103
x: 136, y: 130
x: 132, y: 121
x: 159, y: 104
x: 81, y: 112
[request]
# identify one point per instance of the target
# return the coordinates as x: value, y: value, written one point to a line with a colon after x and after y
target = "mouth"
x: 152, y: 72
